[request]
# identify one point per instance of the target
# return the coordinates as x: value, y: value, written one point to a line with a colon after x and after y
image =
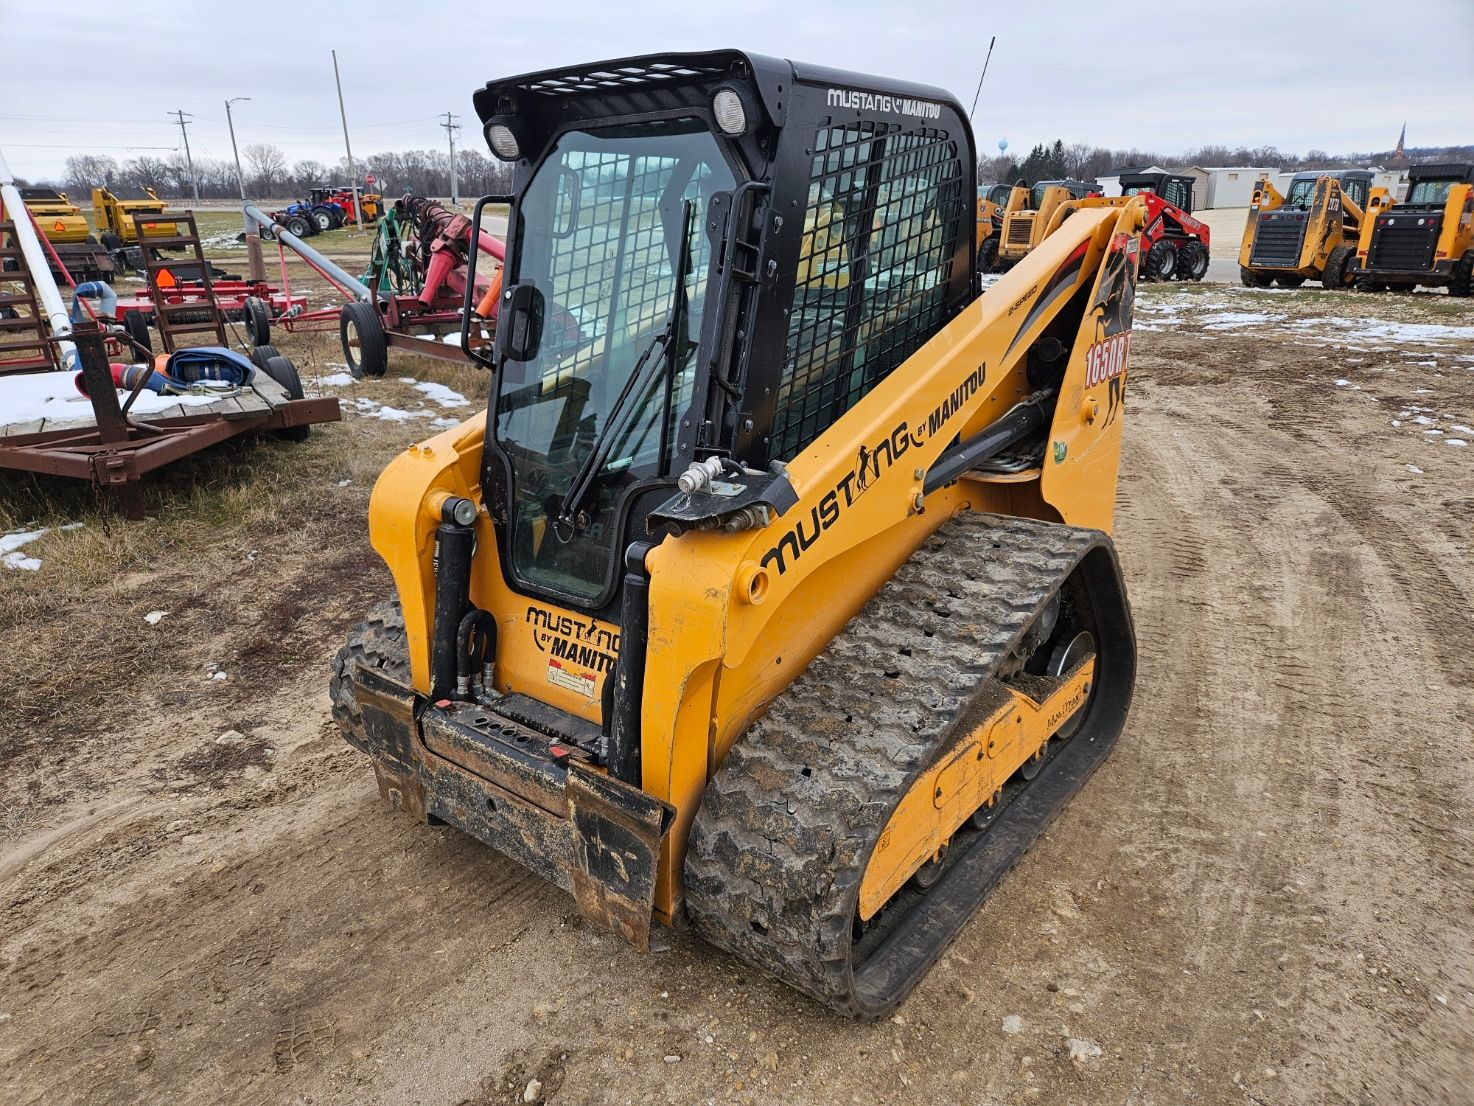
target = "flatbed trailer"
x: 115, y: 448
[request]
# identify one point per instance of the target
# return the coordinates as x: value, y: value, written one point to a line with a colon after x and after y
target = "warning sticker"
x: 573, y: 680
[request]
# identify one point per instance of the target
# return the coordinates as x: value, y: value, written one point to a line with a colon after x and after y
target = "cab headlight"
x: 731, y: 116
x: 503, y: 142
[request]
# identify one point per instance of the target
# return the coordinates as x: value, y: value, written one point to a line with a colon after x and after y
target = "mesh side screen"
x: 880, y: 231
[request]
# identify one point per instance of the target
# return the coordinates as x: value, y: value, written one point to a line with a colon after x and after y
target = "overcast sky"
x: 1337, y: 75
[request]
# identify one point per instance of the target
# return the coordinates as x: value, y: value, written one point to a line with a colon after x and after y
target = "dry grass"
x: 258, y: 554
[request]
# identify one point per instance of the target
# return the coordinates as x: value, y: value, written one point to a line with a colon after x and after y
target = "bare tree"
x: 309, y: 174
x: 88, y: 171
x: 268, y: 165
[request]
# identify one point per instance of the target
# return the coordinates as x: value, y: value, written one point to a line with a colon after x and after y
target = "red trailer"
x: 413, y: 295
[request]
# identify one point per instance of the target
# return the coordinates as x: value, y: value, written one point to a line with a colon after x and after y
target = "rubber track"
x: 787, y: 824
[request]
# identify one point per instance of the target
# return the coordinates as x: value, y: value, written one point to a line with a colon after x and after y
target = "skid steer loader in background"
x: 1427, y: 239
x: 772, y: 594
x: 1308, y: 234
x: 1024, y: 226
x: 993, y: 201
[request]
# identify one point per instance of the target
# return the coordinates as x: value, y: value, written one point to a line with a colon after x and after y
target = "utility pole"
x: 194, y: 181
x: 352, y: 170
x: 451, y: 126
x: 239, y: 176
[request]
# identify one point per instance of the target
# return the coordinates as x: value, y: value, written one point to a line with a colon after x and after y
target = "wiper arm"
x: 675, y: 342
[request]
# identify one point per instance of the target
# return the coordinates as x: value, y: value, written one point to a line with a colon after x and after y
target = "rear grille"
x: 1020, y: 230
x: 1398, y: 242
x: 1277, y: 241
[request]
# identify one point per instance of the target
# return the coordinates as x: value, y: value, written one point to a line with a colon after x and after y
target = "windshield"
x: 1430, y: 191
x: 1302, y: 193
x: 599, y: 233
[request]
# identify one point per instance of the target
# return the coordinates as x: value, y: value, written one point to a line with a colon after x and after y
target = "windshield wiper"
x: 675, y: 344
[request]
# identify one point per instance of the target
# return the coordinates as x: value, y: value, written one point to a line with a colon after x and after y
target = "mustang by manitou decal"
x: 877, y: 101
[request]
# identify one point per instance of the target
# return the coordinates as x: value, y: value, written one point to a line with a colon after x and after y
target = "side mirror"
x: 519, y: 325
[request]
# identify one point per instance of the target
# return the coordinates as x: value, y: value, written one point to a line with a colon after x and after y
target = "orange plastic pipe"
x: 487, y: 306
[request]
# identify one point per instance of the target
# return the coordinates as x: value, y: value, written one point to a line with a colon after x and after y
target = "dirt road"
x: 1263, y: 897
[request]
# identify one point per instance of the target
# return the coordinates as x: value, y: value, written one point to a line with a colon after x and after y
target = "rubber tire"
x: 1365, y: 283
x: 257, y: 319
x: 1161, y: 261
x: 337, y: 216
x: 136, y: 327
x: 373, y: 350
x: 284, y: 373
x: 988, y: 255
x: 1289, y: 280
x: 380, y: 643
x: 1192, y: 261
x: 1251, y: 279
x: 299, y: 226
x: 111, y: 241
x: 323, y: 219
x: 1461, y: 281
x: 262, y: 354
x: 1336, y: 275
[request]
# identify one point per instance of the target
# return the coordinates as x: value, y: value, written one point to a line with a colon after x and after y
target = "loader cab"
x: 1355, y: 184
x: 1429, y: 186
x: 1177, y: 191
x: 710, y: 258
x: 995, y: 193
x: 1078, y: 190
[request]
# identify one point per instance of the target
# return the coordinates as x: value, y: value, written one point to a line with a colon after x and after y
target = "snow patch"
x: 53, y: 396
x: 11, y: 543
x: 446, y: 397
x: 1234, y: 320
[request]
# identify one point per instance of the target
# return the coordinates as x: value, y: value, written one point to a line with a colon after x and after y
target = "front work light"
x: 731, y: 116
x: 503, y: 142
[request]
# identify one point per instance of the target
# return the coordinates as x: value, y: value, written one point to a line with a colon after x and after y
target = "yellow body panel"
x: 61, y: 221
x: 1024, y: 229
x: 967, y: 777
x: 735, y: 617
x: 115, y: 215
x: 1455, y: 236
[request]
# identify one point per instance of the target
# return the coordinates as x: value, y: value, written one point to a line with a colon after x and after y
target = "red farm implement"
x: 413, y: 297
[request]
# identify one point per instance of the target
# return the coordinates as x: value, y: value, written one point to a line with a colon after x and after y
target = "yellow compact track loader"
x: 1025, y: 225
x: 1309, y: 234
x: 994, y: 200
x: 1427, y: 240
x: 773, y: 594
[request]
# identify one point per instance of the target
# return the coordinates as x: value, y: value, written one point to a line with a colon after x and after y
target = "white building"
x: 1224, y: 185
x: 1394, y: 180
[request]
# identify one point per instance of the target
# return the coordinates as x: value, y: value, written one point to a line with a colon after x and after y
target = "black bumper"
x: 521, y: 791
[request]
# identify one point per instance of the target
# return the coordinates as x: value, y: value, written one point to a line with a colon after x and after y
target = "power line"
x: 194, y: 181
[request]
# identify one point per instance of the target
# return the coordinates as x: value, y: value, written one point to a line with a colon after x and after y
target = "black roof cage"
x: 620, y: 76
x: 1339, y: 174
x: 1458, y: 170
